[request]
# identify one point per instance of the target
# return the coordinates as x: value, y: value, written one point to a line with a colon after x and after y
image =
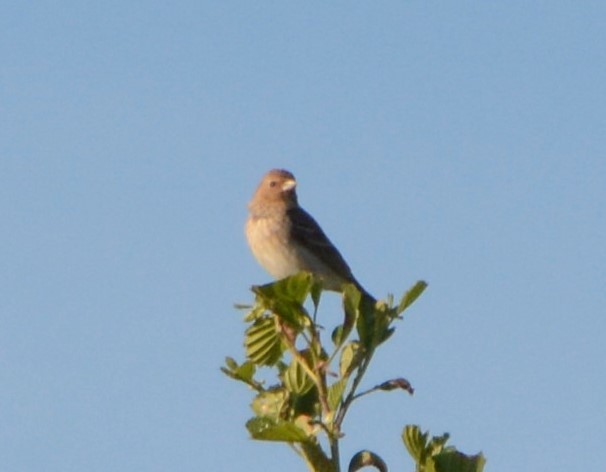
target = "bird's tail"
x: 367, y: 302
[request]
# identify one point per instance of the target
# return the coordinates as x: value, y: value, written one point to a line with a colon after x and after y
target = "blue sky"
x: 461, y: 143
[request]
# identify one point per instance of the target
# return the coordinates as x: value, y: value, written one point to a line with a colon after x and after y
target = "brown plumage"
x: 285, y: 239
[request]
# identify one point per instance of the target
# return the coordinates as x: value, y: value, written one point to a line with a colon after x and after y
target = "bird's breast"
x: 269, y: 242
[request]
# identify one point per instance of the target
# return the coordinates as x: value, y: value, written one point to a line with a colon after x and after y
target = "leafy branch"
x: 314, y: 384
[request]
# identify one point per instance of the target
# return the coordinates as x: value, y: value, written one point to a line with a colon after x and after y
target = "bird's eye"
x: 273, y: 183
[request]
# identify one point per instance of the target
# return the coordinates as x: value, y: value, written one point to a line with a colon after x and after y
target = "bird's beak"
x: 289, y: 185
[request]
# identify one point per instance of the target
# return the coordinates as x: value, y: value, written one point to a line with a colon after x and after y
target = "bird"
x: 285, y: 239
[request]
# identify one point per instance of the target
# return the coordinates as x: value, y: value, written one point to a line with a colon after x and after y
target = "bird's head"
x: 278, y: 185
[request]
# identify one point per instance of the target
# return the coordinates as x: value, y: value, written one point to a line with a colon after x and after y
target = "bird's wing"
x: 307, y: 233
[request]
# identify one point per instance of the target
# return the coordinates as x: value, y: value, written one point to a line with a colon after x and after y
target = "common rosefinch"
x: 285, y: 239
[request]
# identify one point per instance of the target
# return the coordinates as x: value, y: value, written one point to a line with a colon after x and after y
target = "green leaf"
x: 337, y: 335
x: 455, y: 461
x: 351, y: 302
x: 438, y: 444
x: 316, y: 292
x: 255, y: 313
x: 335, y: 393
x: 349, y: 358
x: 375, y: 329
x: 266, y: 429
x: 285, y: 298
x: 385, y: 335
x: 366, y: 331
x: 270, y: 404
x: 415, y: 443
x: 262, y: 342
x: 411, y: 295
x: 434, y: 456
x: 306, y: 405
x: 244, y: 373
x: 296, y: 379
x: 373, y: 323
x: 289, y: 311
x: 247, y: 371
x: 231, y: 363
x: 295, y: 288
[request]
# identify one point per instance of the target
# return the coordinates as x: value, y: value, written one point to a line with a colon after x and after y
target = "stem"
x: 318, y: 378
x: 334, y: 452
x: 321, y: 383
x: 333, y: 438
x: 316, y: 459
x: 297, y: 355
x: 365, y: 392
x: 351, y: 396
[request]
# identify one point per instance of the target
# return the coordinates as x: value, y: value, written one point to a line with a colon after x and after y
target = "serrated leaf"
x: 266, y: 429
x: 411, y: 295
x: 435, y: 456
x: 415, y: 442
x: 296, y: 379
x: 262, y: 342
